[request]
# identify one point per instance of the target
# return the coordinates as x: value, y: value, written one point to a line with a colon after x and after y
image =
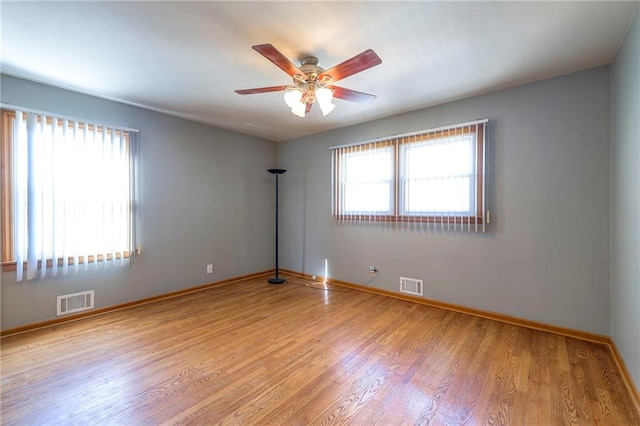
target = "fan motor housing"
x: 309, y: 66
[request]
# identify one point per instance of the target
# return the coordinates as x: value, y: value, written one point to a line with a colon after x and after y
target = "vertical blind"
x: 73, y: 194
x: 432, y: 179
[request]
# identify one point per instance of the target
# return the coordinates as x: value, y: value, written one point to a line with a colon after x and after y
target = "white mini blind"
x: 434, y: 178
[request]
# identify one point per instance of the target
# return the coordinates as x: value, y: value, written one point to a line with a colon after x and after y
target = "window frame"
x: 476, y: 217
x: 8, y: 258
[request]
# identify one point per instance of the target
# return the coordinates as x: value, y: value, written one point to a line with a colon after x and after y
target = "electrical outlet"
x: 210, y: 268
x: 372, y: 269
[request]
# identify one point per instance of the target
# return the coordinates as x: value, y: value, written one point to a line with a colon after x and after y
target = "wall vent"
x: 411, y: 286
x: 76, y: 302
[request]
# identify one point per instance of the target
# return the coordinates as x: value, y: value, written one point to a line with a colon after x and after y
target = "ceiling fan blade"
x: 261, y: 90
x: 351, y: 95
x: 281, y: 61
x: 360, y: 62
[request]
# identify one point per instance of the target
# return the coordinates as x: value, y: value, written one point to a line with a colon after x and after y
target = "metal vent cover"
x: 411, y: 286
x: 75, y: 302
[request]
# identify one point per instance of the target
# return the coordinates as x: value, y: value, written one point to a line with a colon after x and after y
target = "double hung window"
x: 435, y: 176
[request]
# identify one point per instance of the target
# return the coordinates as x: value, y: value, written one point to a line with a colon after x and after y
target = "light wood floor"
x: 254, y: 353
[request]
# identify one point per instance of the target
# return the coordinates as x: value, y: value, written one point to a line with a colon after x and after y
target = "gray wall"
x: 205, y: 198
x: 625, y: 200
x: 545, y: 257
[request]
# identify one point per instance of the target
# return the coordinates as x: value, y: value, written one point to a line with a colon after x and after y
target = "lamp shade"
x: 324, y: 97
x: 292, y: 98
x: 299, y: 110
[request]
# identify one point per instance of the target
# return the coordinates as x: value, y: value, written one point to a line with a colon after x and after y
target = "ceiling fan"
x: 311, y: 82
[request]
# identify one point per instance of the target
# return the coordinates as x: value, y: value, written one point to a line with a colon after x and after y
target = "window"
x: 434, y: 176
x: 67, y: 193
x: 367, y: 181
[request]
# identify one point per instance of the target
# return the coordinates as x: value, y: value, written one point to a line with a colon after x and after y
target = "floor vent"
x: 411, y: 286
x: 76, y: 302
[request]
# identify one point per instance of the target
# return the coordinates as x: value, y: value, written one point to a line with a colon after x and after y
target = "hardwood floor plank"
x: 304, y: 353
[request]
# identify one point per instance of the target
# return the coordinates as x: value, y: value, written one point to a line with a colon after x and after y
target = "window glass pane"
x: 366, y: 181
x: 367, y: 198
x: 438, y: 196
x: 440, y: 158
x: 437, y: 176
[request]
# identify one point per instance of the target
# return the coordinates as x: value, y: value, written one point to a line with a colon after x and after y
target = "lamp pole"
x: 277, y: 279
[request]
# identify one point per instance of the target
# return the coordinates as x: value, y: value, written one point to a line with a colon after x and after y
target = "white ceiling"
x: 187, y: 58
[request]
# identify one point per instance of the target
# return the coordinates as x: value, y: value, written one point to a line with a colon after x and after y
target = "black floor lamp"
x: 277, y: 279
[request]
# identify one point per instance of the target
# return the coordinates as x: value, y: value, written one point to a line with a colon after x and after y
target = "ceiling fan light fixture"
x: 326, y: 109
x: 293, y: 98
x: 299, y: 109
x: 324, y: 97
